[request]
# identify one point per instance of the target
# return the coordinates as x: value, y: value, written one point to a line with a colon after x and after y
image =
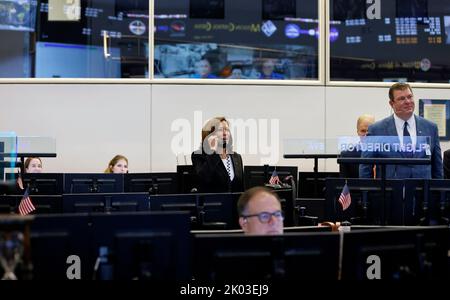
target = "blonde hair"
x: 114, y: 161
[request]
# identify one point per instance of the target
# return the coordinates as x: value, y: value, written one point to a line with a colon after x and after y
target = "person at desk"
x: 362, y: 126
x: 260, y: 212
x: 33, y: 165
x: 117, y: 165
x: 407, y: 127
x: 217, y: 167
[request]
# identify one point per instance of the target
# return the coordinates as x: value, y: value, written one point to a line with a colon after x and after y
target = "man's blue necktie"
x: 407, y: 141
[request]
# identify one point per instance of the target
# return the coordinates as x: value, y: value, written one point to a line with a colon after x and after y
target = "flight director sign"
x: 387, y: 146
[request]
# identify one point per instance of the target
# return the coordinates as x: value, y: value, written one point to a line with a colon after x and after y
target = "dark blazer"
x: 349, y: 170
x: 447, y: 164
x: 386, y: 127
x: 212, y: 175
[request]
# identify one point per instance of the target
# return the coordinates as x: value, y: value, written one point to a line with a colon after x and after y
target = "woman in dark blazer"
x: 217, y: 167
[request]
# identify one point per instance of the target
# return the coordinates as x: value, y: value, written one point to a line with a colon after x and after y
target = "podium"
x: 383, y: 162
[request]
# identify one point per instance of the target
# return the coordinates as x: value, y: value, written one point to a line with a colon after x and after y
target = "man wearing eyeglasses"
x: 260, y: 212
x: 410, y: 130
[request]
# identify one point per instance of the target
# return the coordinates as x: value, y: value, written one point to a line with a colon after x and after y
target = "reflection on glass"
x: 253, y: 39
x: 408, y: 42
x: 74, y: 38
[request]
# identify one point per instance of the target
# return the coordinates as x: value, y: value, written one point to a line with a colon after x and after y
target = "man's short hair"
x: 398, y: 86
x: 245, y: 198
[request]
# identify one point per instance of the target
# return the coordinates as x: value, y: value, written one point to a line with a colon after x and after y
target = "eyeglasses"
x: 265, y: 217
x: 404, y: 98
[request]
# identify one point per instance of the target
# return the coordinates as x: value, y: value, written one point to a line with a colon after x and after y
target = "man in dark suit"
x: 352, y: 170
x: 447, y: 164
x: 217, y: 167
x: 405, y: 128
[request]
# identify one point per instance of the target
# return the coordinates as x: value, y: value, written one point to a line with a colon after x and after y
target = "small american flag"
x: 345, y: 199
x: 274, y: 179
x: 26, y: 206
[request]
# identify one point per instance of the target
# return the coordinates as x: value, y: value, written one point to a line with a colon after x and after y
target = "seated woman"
x: 218, y: 168
x: 33, y: 165
x: 118, y: 165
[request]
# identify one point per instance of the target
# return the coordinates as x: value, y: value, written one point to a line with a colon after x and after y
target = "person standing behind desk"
x: 406, y: 126
x: 217, y: 167
x: 352, y: 170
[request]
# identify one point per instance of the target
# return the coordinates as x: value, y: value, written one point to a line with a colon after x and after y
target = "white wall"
x: 93, y: 122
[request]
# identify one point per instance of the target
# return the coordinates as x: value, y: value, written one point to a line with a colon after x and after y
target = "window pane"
x: 251, y: 39
x: 409, y: 42
x: 65, y: 38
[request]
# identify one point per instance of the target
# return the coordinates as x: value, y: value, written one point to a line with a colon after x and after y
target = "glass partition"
x: 74, y: 38
x: 401, y: 40
x: 8, y: 152
x: 381, y: 146
x: 252, y: 39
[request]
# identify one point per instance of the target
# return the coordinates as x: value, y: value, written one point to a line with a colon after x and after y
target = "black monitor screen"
x: 206, y: 9
x: 53, y: 239
x: 312, y: 185
x: 44, y: 204
x: 93, y: 183
x: 44, y: 183
x: 153, y: 183
x: 402, y: 253
x: 368, y: 205
x: 260, y: 175
x: 187, y: 179
x: 8, y: 204
x: 279, y: 9
x: 427, y: 202
x: 128, y: 202
x: 152, y: 246
x: 291, y: 256
x: 213, y: 211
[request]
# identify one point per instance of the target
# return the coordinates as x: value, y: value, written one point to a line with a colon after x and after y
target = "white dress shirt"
x: 399, y: 124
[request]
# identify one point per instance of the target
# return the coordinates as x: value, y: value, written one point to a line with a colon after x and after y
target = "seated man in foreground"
x: 260, y: 212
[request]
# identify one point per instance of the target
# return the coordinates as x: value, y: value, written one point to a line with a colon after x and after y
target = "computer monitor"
x: 427, y: 202
x: 187, y: 179
x: 92, y: 183
x: 260, y: 175
x: 44, y: 183
x: 53, y: 239
x: 207, y: 211
x: 291, y: 256
x: 153, y: 183
x: 8, y: 204
x: 401, y: 253
x: 144, y: 245
x: 312, y: 185
x: 44, y: 204
x: 367, y: 203
x: 129, y: 202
